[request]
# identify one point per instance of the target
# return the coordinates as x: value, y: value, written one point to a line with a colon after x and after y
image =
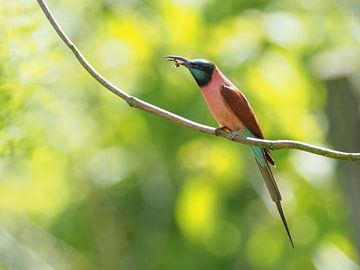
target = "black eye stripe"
x: 202, y: 67
x: 206, y: 67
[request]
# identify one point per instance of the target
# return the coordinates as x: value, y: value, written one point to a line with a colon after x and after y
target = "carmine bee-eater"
x: 232, y: 111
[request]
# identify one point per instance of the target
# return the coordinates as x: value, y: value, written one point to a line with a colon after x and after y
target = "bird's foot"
x: 235, y: 135
x: 221, y: 130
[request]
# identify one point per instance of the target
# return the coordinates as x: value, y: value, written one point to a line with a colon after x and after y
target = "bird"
x: 232, y: 111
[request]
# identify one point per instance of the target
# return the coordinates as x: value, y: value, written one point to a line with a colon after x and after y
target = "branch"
x: 140, y: 104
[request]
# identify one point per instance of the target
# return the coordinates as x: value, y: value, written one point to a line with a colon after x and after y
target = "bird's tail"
x: 273, y: 189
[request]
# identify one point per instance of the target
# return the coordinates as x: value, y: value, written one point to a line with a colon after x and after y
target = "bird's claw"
x: 235, y: 135
x: 221, y: 130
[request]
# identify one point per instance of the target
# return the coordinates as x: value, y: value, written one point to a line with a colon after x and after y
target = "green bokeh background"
x: 86, y: 182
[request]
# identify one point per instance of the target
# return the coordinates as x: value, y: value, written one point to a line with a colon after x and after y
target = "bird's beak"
x: 178, y: 60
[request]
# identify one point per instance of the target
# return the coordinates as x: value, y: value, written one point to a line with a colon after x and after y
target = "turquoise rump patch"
x: 257, y: 151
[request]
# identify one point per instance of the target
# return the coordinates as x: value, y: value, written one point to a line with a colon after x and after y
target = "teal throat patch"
x: 201, y: 77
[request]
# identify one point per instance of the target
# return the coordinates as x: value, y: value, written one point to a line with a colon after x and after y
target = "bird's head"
x: 201, y: 69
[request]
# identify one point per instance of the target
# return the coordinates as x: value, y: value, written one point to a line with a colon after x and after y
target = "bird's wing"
x: 241, y: 107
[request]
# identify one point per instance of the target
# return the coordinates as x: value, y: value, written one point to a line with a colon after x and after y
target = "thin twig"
x: 140, y: 104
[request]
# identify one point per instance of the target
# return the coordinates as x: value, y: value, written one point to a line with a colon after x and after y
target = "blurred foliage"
x: 88, y: 183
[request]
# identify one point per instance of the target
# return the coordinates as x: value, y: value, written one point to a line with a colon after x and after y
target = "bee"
x: 177, y: 63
